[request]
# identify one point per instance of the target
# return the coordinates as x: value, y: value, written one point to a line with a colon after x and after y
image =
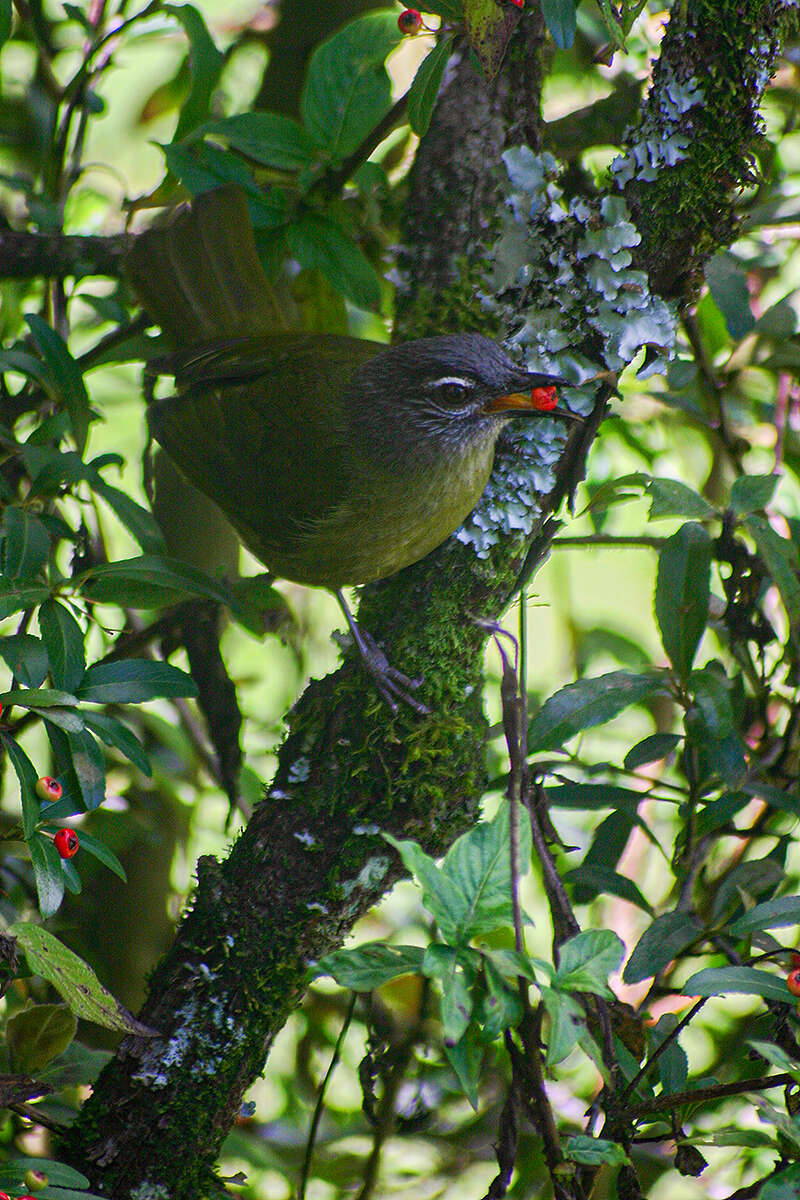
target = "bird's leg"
x: 392, y: 684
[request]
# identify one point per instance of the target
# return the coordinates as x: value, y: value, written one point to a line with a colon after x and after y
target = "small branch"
x: 659, y: 1050
x: 609, y: 539
x: 715, y: 390
x: 333, y: 181
x: 318, y: 1107
x: 59, y: 256
x: 676, y: 1099
x: 565, y: 924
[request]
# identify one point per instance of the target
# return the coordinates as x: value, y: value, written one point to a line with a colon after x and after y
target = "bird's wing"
x: 261, y: 426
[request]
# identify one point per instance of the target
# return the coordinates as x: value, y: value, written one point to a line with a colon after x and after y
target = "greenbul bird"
x: 337, y: 460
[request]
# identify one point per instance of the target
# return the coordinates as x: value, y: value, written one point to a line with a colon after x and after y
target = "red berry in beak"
x: 544, y: 398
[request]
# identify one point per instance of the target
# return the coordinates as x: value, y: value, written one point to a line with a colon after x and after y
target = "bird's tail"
x: 200, y: 277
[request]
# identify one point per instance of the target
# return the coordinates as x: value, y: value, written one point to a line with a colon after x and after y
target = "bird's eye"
x: 451, y: 390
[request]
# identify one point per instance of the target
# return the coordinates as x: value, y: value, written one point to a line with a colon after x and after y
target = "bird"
x: 337, y: 460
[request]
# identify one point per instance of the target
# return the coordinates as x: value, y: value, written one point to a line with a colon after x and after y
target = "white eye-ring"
x: 451, y: 389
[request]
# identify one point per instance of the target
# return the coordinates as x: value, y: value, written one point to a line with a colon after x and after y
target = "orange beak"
x: 539, y: 399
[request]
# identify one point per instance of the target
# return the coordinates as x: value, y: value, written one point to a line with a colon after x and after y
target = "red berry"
x: 544, y: 398
x: 519, y: 3
x: 409, y: 22
x: 793, y: 981
x: 67, y: 843
x: 49, y: 789
x: 4, y: 1196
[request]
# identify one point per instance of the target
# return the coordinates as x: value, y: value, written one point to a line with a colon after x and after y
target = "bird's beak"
x: 540, y: 400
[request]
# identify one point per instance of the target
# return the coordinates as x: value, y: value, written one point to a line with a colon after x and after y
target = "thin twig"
x: 318, y: 1107
x: 609, y: 539
x: 675, y: 1099
x: 659, y: 1050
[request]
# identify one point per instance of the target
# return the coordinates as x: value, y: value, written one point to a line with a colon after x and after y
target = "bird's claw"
x: 392, y: 684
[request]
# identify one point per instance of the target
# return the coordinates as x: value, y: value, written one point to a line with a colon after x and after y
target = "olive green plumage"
x: 337, y: 460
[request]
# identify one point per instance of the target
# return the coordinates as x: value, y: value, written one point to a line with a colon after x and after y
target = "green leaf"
x: 592, y: 796
x: 347, y: 90
x: 651, y: 749
x: 561, y: 21
x: 425, y: 86
x: 781, y: 560
x: 48, y: 874
x: 67, y: 380
x: 451, y: 10
x: 442, y: 963
x: 201, y: 167
x: 320, y: 243
x: 371, y: 965
x: 153, y: 578
x: 74, y: 979
x: 479, y: 867
x: 671, y: 498
x: 500, y: 1006
x: 132, y: 680
x: 597, y: 880
x: 26, y: 543
x: 114, y: 733
x: 16, y: 596
x: 567, y: 1020
x: 465, y: 1057
x: 59, y: 1174
x: 68, y: 719
x: 489, y: 28
x: 26, y: 658
x: 63, y: 638
x: 751, y: 493
x: 586, y: 961
x: 771, y: 914
x: 206, y: 63
x: 586, y: 703
x: 38, y: 1034
x: 660, y: 943
x: 27, y: 775
x: 39, y: 698
x: 140, y: 523
x: 440, y: 894
x: 776, y: 1056
x: 5, y: 21
x: 101, y: 852
x: 682, y: 593
x: 673, y: 1064
x: 88, y: 763
x: 269, y: 138
x: 784, y: 1185
x: 746, y: 981
x: 590, y: 1151
x: 711, y: 692
x: 728, y: 286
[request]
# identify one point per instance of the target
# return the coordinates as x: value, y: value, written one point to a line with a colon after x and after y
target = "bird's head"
x: 450, y: 390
